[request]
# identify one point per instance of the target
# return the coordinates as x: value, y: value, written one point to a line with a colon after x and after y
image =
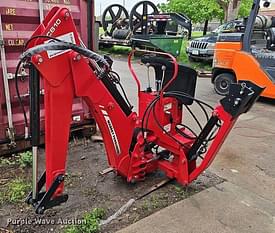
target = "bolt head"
x: 110, y: 106
x: 40, y: 60
x: 77, y: 57
x: 66, y: 14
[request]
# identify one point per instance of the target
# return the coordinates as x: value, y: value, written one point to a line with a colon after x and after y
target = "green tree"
x: 198, y: 11
x: 245, y: 8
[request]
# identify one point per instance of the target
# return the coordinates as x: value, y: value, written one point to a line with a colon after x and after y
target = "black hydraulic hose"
x: 56, y: 44
x: 16, y: 78
x: 125, y: 96
x: 149, y: 108
x: 194, y: 117
x: 40, y: 37
x: 61, y: 45
x: 114, y: 76
x: 164, y: 130
x: 18, y: 93
x: 200, y: 103
x: 189, y: 97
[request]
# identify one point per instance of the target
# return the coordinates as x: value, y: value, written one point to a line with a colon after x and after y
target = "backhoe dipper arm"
x: 67, y: 74
x: 240, y: 99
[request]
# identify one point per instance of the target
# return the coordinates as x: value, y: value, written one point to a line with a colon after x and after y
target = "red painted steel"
x: 19, y: 19
x: 128, y: 148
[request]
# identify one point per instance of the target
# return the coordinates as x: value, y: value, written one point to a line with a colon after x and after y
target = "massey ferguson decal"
x: 112, y: 131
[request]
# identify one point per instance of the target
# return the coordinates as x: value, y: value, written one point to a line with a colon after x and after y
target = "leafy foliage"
x: 25, y: 159
x: 4, y: 162
x: 198, y: 11
x: 245, y: 8
x: 201, y: 10
x: 90, y: 222
x: 15, y: 192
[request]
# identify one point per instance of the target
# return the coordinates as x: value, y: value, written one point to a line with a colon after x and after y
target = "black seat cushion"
x: 185, y: 81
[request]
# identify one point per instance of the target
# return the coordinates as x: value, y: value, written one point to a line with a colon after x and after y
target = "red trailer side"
x: 18, y: 19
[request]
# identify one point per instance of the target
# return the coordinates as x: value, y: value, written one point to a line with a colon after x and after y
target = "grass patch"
x: 155, y: 202
x: 116, y: 49
x: 101, y: 31
x: 90, y: 222
x: 196, y: 34
x: 25, y: 159
x: 4, y: 162
x: 2, y: 197
x: 15, y: 192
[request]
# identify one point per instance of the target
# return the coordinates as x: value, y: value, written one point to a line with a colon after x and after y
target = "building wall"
x: 268, y: 11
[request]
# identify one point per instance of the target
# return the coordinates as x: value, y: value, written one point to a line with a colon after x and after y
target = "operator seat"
x: 185, y: 81
x: 266, y: 59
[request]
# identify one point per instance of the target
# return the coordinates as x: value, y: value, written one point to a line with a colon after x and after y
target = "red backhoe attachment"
x: 136, y: 143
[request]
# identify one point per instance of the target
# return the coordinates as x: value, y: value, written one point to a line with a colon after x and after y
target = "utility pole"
x: 124, y: 3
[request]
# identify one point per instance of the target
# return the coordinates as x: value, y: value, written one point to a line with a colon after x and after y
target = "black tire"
x: 115, y: 19
x: 192, y: 59
x: 135, y: 18
x: 222, y: 83
x: 121, y: 34
x: 106, y: 46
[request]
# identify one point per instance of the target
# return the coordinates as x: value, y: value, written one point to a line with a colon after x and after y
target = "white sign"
x: 195, y: 52
x: 69, y: 37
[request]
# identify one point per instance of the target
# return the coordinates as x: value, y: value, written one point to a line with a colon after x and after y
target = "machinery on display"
x: 143, y: 27
x: 136, y: 143
x: 249, y: 54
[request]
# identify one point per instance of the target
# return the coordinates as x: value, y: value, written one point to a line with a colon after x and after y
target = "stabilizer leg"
x: 58, y: 111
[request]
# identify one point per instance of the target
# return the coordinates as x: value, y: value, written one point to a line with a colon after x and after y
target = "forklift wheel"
x: 222, y: 83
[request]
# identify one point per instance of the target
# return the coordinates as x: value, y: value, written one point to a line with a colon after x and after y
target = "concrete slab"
x: 247, y: 157
x: 225, y: 208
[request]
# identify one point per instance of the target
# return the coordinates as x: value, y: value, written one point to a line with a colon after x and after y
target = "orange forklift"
x: 248, y: 54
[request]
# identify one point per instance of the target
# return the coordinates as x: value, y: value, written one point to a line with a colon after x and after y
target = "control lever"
x: 149, y: 88
x: 163, y: 68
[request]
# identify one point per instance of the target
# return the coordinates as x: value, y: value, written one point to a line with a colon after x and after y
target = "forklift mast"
x: 250, y: 25
x: 136, y: 144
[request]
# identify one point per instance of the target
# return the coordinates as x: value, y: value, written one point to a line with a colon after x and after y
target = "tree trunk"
x: 231, y: 9
x: 205, y: 27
